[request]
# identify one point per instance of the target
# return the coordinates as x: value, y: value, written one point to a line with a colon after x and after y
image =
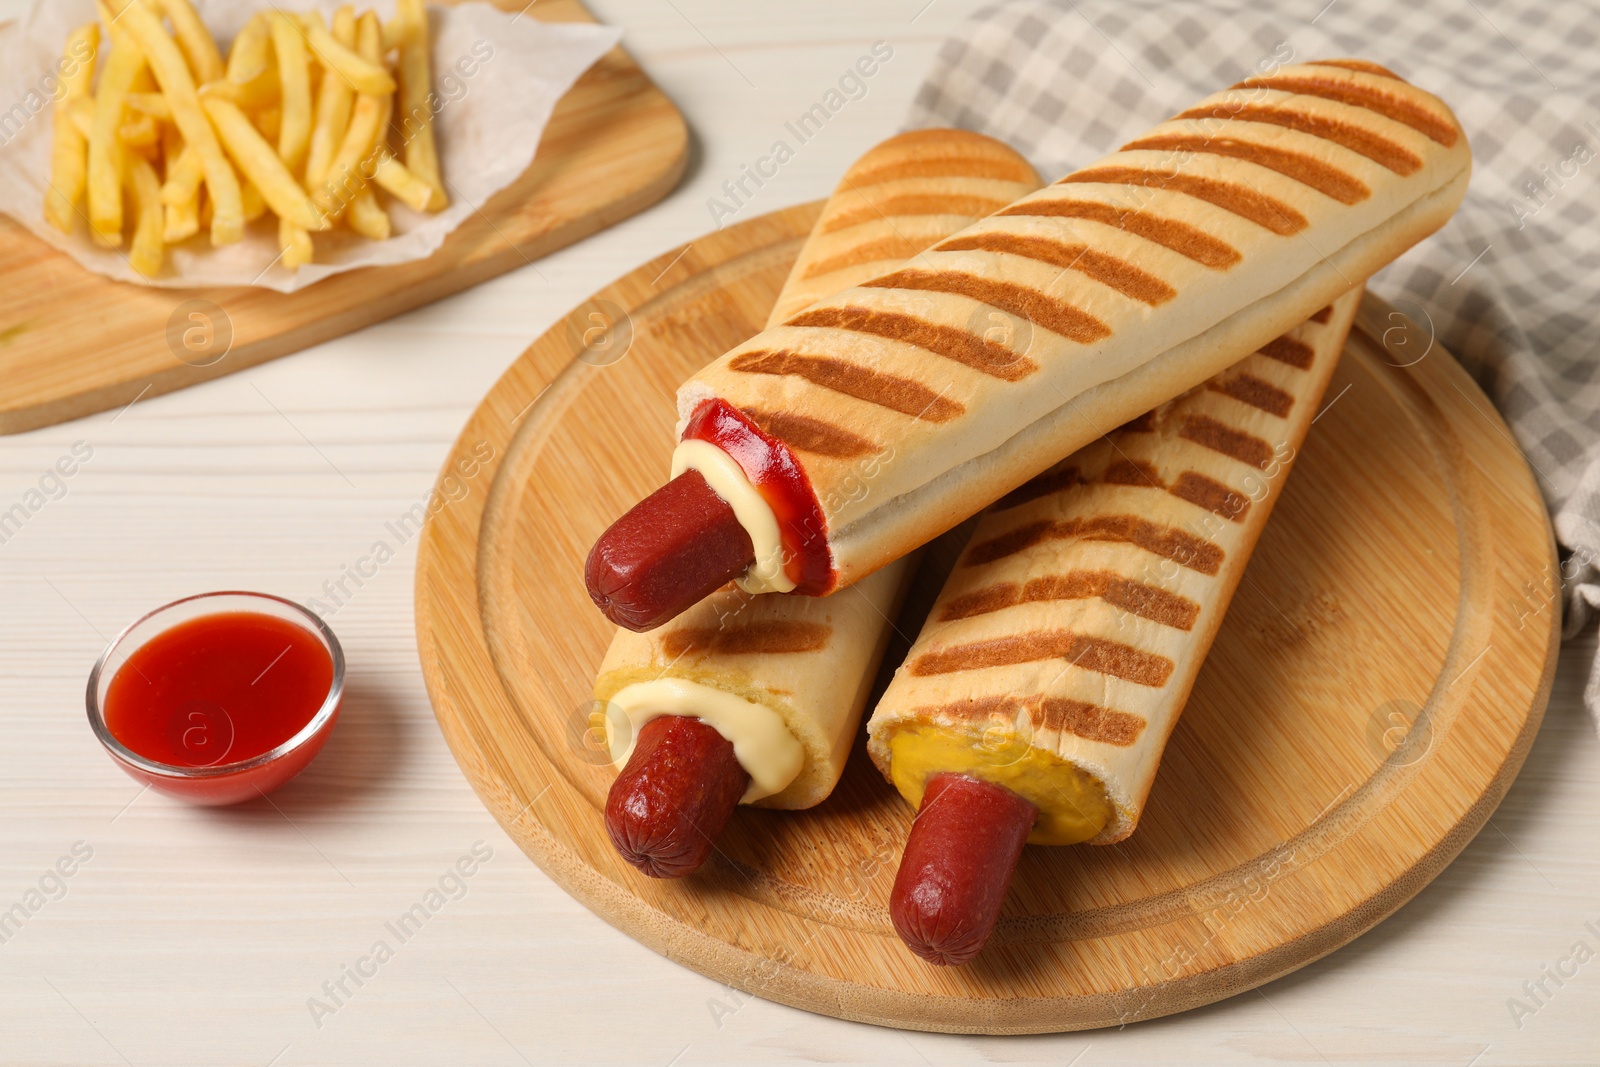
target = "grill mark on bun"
x: 1180, y: 546
x: 1138, y: 472
x: 890, y: 391
x: 1263, y: 210
x: 993, y: 359
x: 1191, y: 486
x: 866, y: 252
x: 1088, y: 721
x: 1107, y: 269
x: 1367, y: 97
x: 1356, y: 64
x: 1287, y: 350
x: 1220, y: 437
x: 1071, y: 322
x: 914, y: 204
x: 966, y: 166
x: 1324, y: 315
x: 1053, y: 480
x: 1145, y: 423
x: 1261, y: 395
x: 984, y: 601
x: 1307, y: 170
x: 1010, y: 543
x: 1382, y: 151
x: 811, y: 435
x: 1096, y: 654
x: 1180, y: 237
x: 1146, y: 601
x: 768, y: 637
x: 1210, y: 494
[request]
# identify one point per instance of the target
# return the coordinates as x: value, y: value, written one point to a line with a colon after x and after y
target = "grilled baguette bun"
x: 1040, y: 327
x: 1064, y: 644
x: 811, y: 661
x: 902, y: 196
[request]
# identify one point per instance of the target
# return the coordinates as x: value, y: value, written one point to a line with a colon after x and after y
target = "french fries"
x: 296, y: 119
x: 247, y: 59
x: 107, y: 156
x: 69, y: 145
x: 260, y: 91
x: 136, y: 131
x: 171, y: 143
x: 294, y: 85
x: 205, y: 61
x: 363, y: 75
x: 139, y: 131
x: 254, y: 206
x: 296, y: 244
x: 265, y: 169
x: 269, y: 120
x: 172, y: 74
x: 80, y: 113
x: 147, y: 252
x: 183, y: 177
x: 368, y: 119
x: 416, y: 116
x: 152, y: 104
x: 181, y: 221
x: 367, y: 216
x: 401, y: 30
x: 393, y: 178
x: 334, y: 99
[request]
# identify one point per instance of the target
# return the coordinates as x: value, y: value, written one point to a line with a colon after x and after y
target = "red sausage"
x: 673, y: 549
x: 957, y: 866
x: 679, y: 789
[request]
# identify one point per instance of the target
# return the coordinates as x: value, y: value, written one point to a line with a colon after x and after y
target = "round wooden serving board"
x: 1372, y: 694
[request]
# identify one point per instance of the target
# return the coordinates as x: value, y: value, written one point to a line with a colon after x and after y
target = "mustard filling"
x: 1073, y: 805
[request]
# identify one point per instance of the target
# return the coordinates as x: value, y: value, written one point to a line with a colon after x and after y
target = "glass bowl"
x: 220, y: 783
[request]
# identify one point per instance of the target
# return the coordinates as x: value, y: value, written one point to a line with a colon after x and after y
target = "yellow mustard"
x: 1072, y: 804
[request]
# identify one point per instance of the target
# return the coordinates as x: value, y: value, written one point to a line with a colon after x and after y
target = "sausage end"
x: 957, y: 865
x: 671, y: 550
x: 674, y: 797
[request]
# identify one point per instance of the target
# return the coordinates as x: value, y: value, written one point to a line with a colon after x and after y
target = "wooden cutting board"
x: 73, y: 343
x: 1371, y: 696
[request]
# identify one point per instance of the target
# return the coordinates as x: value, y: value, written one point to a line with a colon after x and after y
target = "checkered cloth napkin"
x: 1509, y: 285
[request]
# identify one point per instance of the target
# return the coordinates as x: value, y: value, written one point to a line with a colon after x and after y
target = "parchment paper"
x: 497, y: 77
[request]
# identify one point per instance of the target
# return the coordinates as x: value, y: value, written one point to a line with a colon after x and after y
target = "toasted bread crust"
x: 813, y: 660
x: 1131, y: 280
x: 1079, y: 613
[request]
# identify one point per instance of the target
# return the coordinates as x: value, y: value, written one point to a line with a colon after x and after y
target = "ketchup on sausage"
x: 683, y: 542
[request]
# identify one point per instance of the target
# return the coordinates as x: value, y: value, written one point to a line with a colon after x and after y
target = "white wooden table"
x: 202, y: 937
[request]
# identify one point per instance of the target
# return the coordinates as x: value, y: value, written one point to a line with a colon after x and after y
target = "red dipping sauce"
x: 218, y: 698
x: 220, y: 687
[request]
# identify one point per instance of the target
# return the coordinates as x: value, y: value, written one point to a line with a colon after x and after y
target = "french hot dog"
x: 752, y: 697
x: 1064, y: 644
x: 1024, y: 337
